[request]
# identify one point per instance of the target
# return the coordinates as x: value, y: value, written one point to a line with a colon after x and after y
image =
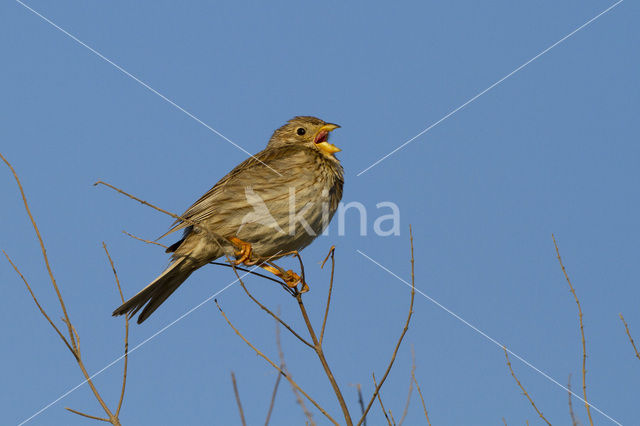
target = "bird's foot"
x: 243, y: 255
x: 290, y: 278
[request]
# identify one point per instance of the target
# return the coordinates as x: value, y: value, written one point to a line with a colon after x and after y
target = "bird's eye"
x: 301, y: 131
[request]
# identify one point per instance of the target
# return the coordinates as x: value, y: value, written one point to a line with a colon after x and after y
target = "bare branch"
x: 626, y: 327
x: 322, y: 410
x: 145, y: 241
x: 295, y: 253
x: 267, y: 310
x: 506, y: 354
x: 133, y: 197
x: 424, y: 407
x: 358, y: 387
x: 380, y: 400
x: 584, y: 345
x: 391, y: 415
x: 413, y: 372
x: 361, y: 402
x: 323, y: 361
x: 250, y: 271
x: 75, y: 333
x: 42, y: 311
x: 289, y: 378
x: 273, y: 398
x: 126, y: 332
x: 316, y: 344
x: 214, y: 237
x: 74, y: 339
x: 404, y: 331
x: 80, y: 413
x: 44, y: 253
x: 331, y: 253
x: 237, y: 394
x: 574, y: 421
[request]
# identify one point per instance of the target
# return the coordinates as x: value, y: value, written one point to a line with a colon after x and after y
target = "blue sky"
x: 552, y: 149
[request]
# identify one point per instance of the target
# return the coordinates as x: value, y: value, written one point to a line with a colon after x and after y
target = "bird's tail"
x: 159, y: 290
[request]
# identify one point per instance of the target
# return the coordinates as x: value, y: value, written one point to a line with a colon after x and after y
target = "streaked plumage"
x: 253, y: 203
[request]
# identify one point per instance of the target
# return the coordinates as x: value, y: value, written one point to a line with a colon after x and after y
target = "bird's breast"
x: 290, y: 215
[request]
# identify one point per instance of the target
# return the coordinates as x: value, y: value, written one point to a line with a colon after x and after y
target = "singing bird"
x: 273, y: 203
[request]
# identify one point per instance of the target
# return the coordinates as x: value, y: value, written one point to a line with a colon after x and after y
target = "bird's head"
x: 307, y: 131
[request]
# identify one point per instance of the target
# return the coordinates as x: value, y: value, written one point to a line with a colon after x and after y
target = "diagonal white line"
x: 491, y: 339
x: 142, y: 83
x: 491, y: 87
x: 162, y: 330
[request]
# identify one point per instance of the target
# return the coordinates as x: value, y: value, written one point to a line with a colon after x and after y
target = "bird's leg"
x: 243, y: 255
x: 289, y: 277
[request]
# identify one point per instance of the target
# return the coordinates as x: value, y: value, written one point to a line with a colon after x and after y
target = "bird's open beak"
x: 322, y: 137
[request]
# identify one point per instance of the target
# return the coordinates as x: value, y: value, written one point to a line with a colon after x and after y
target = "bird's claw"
x: 290, y: 278
x: 243, y: 255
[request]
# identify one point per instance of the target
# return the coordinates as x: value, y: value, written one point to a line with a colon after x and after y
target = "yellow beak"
x: 323, y: 134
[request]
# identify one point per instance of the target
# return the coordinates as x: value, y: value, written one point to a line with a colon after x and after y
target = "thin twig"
x: 358, y: 387
x: 626, y: 327
x: 391, y: 415
x: 80, y: 413
x: 361, y: 403
x: 413, y: 372
x: 404, y: 331
x: 77, y: 336
x: 289, y: 378
x: 126, y: 332
x: 322, y: 410
x: 44, y: 252
x: 380, y: 400
x: 331, y: 253
x: 273, y: 398
x: 424, y: 407
x: 574, y: 421
x: 506, y: 354
x: 73, y: 336
x: 237, y: 394
x: 584, y: 345
x: 133, y: 197
x: 295, y: 253
x: 317, y: 346
x: 323, y: 361
x: 112, y: 418
x: 42, y: 311
x: 145, y: 241
x: 504, y: 421
x: 267, y: 310
x: 216, y: 238
x: 252, y: 272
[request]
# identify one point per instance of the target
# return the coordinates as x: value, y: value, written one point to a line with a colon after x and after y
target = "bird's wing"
x: 258, y: 171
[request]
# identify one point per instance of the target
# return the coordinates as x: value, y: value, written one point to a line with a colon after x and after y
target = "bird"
x: 270, y: 205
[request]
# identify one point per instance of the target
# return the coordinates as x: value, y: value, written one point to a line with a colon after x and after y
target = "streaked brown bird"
x: 273, y: 203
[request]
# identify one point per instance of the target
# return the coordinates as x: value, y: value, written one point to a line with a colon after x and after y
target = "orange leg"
x: 244, y: 254
x: 289, y: 277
